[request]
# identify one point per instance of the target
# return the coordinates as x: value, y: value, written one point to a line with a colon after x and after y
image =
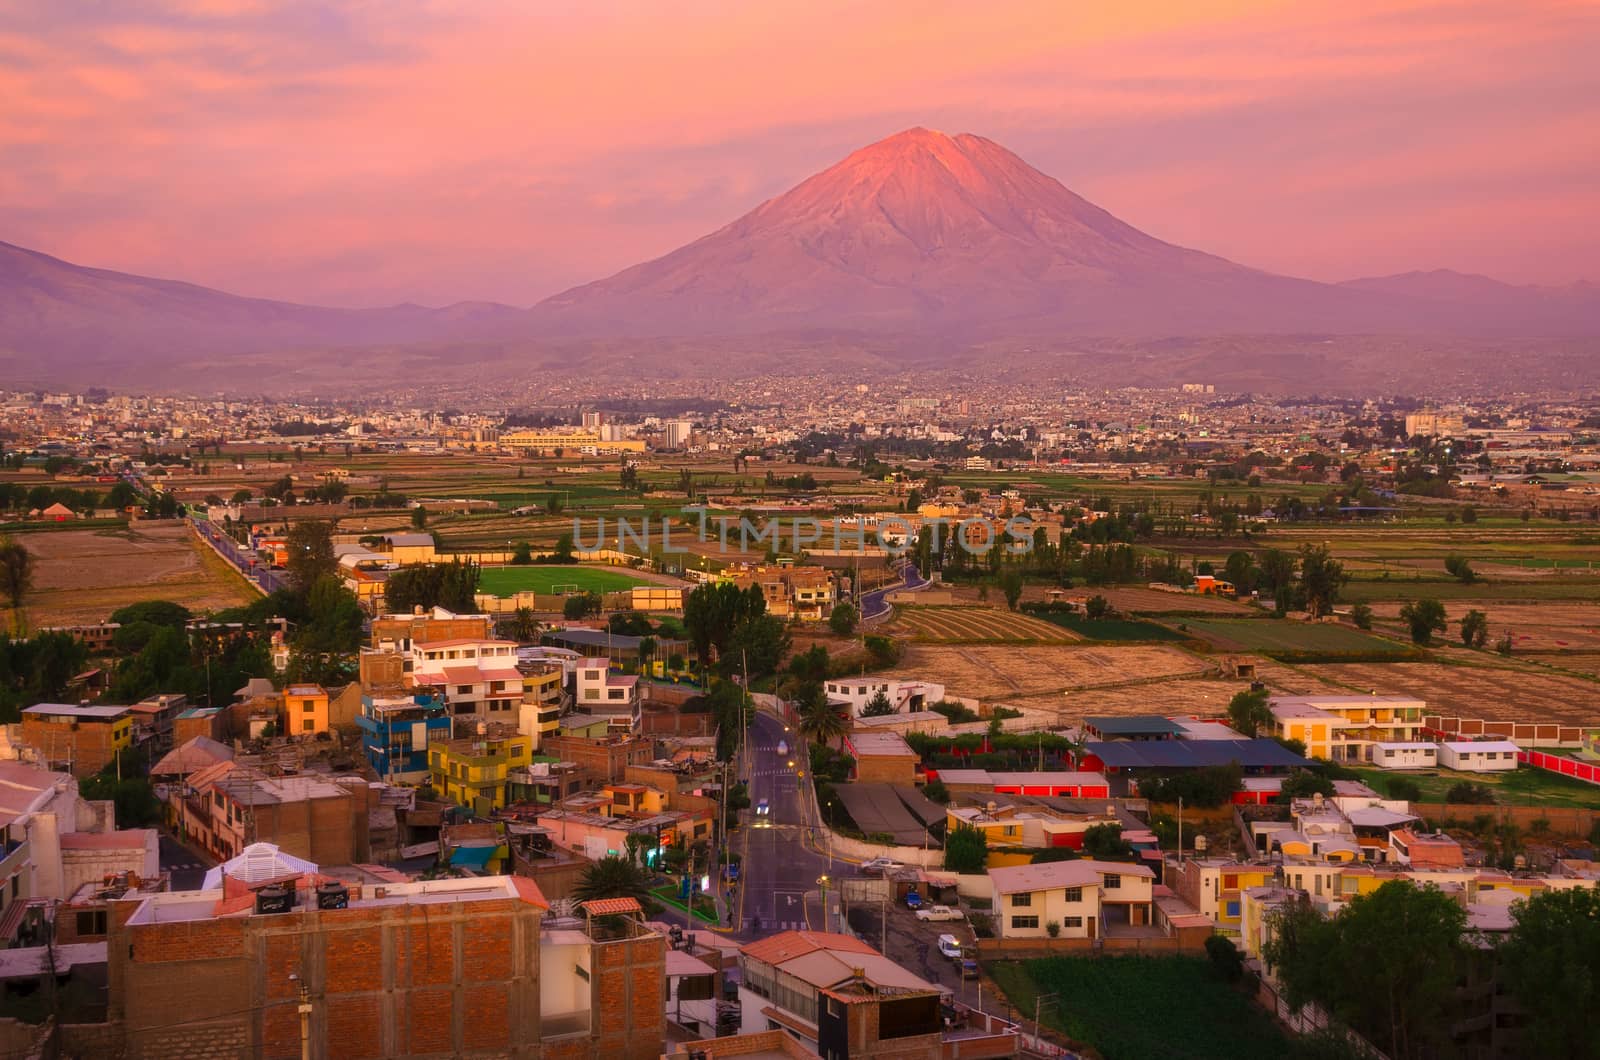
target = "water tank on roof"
x: 333, y: 896
x: 274, y: 898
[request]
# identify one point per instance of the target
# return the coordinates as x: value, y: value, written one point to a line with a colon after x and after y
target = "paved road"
x: 778, y: 869
x: 876, y: 602
x: 186, y: 868
x: 247, y: 564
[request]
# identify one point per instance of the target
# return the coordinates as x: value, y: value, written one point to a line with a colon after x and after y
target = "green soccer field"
x: 508, y: 581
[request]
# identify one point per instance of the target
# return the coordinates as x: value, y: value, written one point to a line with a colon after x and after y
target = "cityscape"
x: 901, y: 608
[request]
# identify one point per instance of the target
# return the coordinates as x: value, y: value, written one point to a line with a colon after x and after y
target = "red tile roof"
x: 608, y: 906
x: 791, y: 944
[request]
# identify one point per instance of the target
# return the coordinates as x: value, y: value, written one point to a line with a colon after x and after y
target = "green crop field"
x: 508, y: 581
x: 1265, y: 634
x: 1108, y: 628
x: 1131, y: 1008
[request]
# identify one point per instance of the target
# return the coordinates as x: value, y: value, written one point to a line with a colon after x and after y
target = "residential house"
x: 478, y: 679
x: 882, y: 756
x: 1415, y: 755
x: 397, y: 732
x: 1008, y: 825
x: 1087, y: 899
x: 228, y: 806
x: 903, y: 695
x: 81, y: 739
x: 305, y: 710
x: 600, y: 693
x: 473, y: 772
x: 843, y: 1000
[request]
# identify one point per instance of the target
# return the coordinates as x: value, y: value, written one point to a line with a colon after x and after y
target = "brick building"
x: 604, y: 760
x: 83, y: 740
x: 468, y: 968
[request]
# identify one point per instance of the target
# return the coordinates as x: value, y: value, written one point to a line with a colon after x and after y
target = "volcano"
x: 928, y: 232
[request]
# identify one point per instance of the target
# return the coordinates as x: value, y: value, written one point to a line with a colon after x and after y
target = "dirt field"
x: 83, y: 576
x: 975, y: 625
x: 1559, y: 625
x: 1154, y: 601
x: 1007, y: 674
x: 1474, y: 692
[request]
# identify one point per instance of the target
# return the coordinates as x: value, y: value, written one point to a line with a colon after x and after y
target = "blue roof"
x: 1194, y: 754
x: 472, y: 857
x: 1134, y: 724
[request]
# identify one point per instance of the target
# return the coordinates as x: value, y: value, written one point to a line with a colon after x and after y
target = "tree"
x: 1361, y: 615
x: 1249, y: 712
x: 966, y: 849
x: 1386, y: 965
x: 16, y: 577
x: 843, y: 618
x: 1011, y: 585
x: 1225, y: 957
x: 310, y: 547
x: 612, y: 877
x: 419, y: 518
x: 647, y: 652
x: 452, y: 586
x: 756, y: 646
x: 1096, y: 607
x: 1551, y: 963
x: 878, y: 706
x: 1474, y: 629
x: 821, y: 723
x: 713, y: 611
x: 1105, y: 842
x: 1302, y: 784
x: 935, y: 791
x: 1425, y: 617
x: 1239, y: 570
x: 523, y: 554
x: 1468, y: 793
x: 1469, y: 515
x: 522, y: 626
x: 581, y: 605
x: 1321, y: 578
x: 156, y: 612
x: 1278, y: 575
x: 564, y: 551
x: 1459, y: 568
x: 1405, y: 788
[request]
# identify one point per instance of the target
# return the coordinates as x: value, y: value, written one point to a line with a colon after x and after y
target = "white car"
x: 879, y: 866
x: 938, y: 912
x: 950, y: 946
x: 763, y: 808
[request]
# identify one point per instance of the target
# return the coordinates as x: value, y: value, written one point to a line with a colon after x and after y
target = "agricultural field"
x: 508, y: 581
x: 1130, y: 1008
x: 81, y: 576
x: 1037, y: 675
x: 1489, y: 692
x: 1157, y: 602
x: 1554, y: 626
x: 1273, y: 635
x: 975, y: 625
x: 1110, y: 628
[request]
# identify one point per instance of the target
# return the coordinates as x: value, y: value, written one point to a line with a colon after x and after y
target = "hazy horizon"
x: 338, y: 155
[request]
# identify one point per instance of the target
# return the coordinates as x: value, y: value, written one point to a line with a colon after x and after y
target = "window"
x: 309, y: 725
x: 1022, y: 900
x: 1113, y: 881
x: 1072, y: 923
x: 92, y: 923
x: 463, y: 690
x: 1074, y: 894
x: 306, y: 707
x: 1233, y: 910
x: 1023, y: 922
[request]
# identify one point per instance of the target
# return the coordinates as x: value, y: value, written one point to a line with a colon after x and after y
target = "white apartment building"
x: 478, y: 678
x: 600, y: 693
x: 904, y: 696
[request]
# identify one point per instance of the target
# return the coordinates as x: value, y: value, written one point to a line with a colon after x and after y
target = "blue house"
x: 396, y: 732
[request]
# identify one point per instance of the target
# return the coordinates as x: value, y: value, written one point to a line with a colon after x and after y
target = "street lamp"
x: 822, y: 881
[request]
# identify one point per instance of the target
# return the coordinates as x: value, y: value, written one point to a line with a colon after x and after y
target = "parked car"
x: 969, y: 968
x: 939, y: 912
x: 913, y: 899
x: 950, y: 946
x: 879, y: 866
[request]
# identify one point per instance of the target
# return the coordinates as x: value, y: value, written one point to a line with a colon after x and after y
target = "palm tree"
x: 821, y: 723
x: 647, y: 651
x: 612, y: 877
x: 522, y: 625
x: 16, y: 577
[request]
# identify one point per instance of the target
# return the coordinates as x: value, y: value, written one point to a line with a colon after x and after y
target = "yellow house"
x: 305, y: 710
x: 1345, y: 728
x: 473, y: 773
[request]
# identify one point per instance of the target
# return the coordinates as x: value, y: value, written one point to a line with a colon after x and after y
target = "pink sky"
x: 368, y: 153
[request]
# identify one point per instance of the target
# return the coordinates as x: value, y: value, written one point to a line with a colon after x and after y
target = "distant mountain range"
x: 945, y: 244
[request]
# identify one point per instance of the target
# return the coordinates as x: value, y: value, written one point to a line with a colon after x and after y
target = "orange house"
x: 305, y: 710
